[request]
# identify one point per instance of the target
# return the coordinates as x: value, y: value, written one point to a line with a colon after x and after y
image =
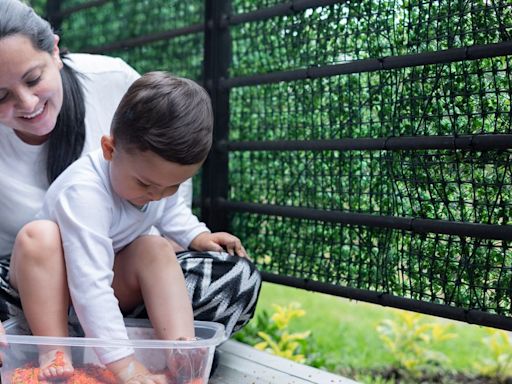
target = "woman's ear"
x: 107, y: 146
x: 56, y: 51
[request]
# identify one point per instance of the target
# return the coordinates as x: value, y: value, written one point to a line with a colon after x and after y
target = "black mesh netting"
x: 97, y: 28
x: 418, y: 98
x: 369, y: 71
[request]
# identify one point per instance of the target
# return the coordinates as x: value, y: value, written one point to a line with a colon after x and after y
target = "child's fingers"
x: 217, y: 248
x: 240, y: 251
x: 230, y: 248
x: 235, y: 247
x: 223, y: 241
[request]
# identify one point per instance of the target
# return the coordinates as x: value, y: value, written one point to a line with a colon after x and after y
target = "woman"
x: 54, y: 107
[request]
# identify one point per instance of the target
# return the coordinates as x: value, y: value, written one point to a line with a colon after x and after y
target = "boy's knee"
x: 38, y: 238
x: 156, y: 250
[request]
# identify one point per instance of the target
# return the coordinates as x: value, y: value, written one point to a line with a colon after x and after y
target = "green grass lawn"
x: 346, y: 330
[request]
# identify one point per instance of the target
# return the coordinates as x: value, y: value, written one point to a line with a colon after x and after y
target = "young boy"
x: 108, y: 202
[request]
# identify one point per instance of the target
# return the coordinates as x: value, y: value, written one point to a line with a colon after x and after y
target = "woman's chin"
x: 33, y: 138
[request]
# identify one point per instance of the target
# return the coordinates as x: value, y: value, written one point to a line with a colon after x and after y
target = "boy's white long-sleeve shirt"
x: 95, y: 224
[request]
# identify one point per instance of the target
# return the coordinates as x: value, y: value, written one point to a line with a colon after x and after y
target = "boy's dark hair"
x: 66, y: 140
x: 167, y: 115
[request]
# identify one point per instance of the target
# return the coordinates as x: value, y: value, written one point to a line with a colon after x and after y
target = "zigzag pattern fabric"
x: 223, y: 288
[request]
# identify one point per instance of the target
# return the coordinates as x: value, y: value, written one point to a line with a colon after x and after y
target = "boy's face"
x: 141, y: 177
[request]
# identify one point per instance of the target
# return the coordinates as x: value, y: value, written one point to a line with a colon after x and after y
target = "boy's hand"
x: 219, y: 242
x: 130, y: 371
x: 187, y: 364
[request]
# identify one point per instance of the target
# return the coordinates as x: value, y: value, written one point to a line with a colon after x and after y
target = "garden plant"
x: 376, y: 345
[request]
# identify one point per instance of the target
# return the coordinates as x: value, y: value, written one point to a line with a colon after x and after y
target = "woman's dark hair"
x: 167, y: 115
x: 66, y: 141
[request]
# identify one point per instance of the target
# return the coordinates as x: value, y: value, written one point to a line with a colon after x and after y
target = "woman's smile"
x: 31, y: 91
x: 38, y: 112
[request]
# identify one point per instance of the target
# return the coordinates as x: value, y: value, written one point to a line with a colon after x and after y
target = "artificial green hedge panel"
x: 114, y: 21
x: 465, y: 186
x: 468, y: 97
x: 359, y: 30
x: 443, y: 269
x: 458, y: 97
x: 430, y: 92
x: 120, y: 20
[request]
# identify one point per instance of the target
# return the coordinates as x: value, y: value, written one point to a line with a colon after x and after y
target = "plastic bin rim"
x: 217, y: 339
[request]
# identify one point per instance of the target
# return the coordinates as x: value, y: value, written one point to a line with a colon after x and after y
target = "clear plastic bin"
x: 192, y: 360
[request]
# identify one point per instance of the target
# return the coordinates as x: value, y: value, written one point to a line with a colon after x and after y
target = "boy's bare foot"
x: 54, y: 365
x: 131, y: 371
x: 147, y: 379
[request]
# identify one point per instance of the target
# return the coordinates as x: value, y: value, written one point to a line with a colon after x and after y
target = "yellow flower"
x: 284, y: 315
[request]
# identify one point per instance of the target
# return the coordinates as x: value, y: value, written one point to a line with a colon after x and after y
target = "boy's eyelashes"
x: 142, y: 184
x: 146, y: 185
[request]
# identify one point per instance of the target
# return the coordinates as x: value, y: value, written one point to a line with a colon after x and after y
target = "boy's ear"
x: 107, y: 146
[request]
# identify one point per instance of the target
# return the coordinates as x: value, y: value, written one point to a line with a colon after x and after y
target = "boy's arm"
x: 84, y: 215
x: 179, y: 223
x: 219, y: 241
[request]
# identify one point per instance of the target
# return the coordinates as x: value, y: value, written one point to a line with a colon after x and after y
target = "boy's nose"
x: 154, y: 193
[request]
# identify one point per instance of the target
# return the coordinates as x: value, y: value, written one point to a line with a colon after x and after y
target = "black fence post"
x: 217, y: 58
x: 53, y: 13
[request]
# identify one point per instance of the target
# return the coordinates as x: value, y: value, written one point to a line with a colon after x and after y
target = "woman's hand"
x: 219, y: 242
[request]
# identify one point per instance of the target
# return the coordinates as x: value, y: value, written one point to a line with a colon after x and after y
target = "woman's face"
x: 30, y: 88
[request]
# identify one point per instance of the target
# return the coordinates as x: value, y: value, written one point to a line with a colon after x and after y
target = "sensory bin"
x: 191, y: 360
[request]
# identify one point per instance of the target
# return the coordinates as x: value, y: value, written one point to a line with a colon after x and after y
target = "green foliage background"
x: 458, y: 98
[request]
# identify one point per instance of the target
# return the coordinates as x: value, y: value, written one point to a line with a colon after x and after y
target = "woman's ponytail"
x: 67, y: 139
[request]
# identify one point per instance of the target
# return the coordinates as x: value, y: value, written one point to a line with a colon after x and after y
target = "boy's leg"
x: 222, y: 288
x: 38, y: 272
x: 147, y: 271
